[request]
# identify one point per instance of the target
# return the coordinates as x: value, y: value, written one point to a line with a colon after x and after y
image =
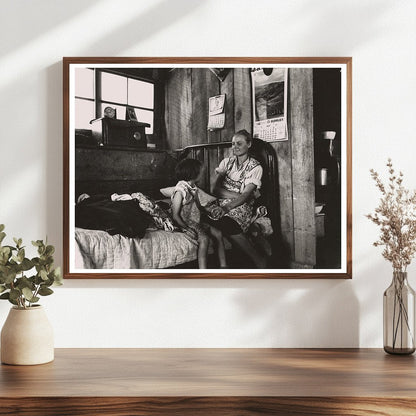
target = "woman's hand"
x: 216, y: 212
x: 227, y: 207
x: 244, y: 197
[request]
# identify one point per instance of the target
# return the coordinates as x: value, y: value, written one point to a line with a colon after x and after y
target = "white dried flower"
x: 396, y: 216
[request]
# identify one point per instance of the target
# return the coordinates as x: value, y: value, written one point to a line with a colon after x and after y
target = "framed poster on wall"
x: 151, y: 192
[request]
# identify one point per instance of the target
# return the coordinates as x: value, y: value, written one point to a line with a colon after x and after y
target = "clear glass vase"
x: 399, y: 316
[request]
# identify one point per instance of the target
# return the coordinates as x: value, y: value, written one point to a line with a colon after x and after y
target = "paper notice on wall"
x: 216, y: 116
x: 270, y: 103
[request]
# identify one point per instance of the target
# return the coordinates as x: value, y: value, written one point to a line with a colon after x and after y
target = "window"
x: 84, y: 98
x: 95, y: 91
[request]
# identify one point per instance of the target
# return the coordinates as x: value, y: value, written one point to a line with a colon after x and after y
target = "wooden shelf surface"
x: 220, y: 381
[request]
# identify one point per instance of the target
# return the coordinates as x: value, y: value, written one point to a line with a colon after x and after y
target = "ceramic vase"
x: 27, y: 337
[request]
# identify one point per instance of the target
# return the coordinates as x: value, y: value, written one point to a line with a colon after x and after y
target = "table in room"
x: 212, y: 382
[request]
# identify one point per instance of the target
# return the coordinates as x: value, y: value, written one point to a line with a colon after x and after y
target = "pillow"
x: 167, y: 192
x: 204, y: 198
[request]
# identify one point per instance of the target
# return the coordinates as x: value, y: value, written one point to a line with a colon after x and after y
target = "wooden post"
x: 227, y: 88
x: 242, y: 100
x: 303, y: 181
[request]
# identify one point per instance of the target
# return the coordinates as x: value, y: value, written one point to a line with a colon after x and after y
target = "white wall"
x: 380, y: 36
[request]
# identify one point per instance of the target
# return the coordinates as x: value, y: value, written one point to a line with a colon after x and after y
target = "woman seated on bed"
x: 237, y: 186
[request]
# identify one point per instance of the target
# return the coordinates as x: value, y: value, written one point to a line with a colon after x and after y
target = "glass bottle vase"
x: 399, y: 316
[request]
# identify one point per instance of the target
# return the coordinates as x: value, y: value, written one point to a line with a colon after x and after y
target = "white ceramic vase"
x: 27, y: 337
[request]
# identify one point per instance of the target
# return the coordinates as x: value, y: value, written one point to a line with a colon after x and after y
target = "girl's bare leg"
x: 203, y: 241
x: 219, y: 242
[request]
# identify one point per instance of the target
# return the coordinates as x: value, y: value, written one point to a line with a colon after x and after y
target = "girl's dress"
x: 190, y: 212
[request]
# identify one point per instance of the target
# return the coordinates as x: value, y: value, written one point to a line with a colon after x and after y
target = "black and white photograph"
x: 174, y: 171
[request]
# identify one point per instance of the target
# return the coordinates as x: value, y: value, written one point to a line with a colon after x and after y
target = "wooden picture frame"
x: 302, y: 120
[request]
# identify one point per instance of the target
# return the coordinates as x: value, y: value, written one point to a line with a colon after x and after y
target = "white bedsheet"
x: 96, y: 249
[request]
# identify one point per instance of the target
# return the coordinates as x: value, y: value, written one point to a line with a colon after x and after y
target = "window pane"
x: 140, y: 93
x: 120, y: 110
x: 84, y: 112
x: 84, y: 82
x: 113, y: 88
x: 145, y: 116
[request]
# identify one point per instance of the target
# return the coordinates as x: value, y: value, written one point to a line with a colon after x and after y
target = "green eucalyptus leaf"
x: 37, y: 243
x: 2, y: 236
x: 27, y: 293
x: 37, y: 280
x: 15, y: 294
x: 2, y: 227
x: 2, y: 288
x: 14, y: 268
x: 45, y: 261
x: 24, y: 282
x: 5, y: 250
x: 13, y: 302
x: 58, y: 276
x: 43, y: 274
x: 48, y: 282
x: 18, y: 242
x: 21, y: 255
x: 49, y: 250
x: 8, y: 276
x: 26, y: 264
x: 45, y: 291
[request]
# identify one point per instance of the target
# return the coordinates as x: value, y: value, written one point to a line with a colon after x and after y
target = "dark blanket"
x: 115, y: 217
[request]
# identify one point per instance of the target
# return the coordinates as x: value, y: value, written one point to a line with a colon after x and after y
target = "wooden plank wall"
x: 186, y: 99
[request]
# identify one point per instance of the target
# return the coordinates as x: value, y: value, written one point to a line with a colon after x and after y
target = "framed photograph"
x: 130, y: 114
x: 154, y: 192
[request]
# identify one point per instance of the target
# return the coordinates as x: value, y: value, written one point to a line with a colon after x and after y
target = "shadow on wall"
x: 129, y: 34
x: 301, y: 314
x: 337, y: 18
x: 45, y: 16
x: 283, y: 313
x: 157, y: 18
x: 40, y: 16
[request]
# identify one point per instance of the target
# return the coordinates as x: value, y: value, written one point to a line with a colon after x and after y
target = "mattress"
x: 158, y: 249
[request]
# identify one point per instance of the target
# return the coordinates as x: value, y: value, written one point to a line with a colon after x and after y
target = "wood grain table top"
x: 274, y: 373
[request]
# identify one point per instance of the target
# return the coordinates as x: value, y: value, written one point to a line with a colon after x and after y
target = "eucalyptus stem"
x: 23, y: 279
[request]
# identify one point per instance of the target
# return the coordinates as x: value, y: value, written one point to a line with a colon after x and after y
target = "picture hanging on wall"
x: 152, y: 191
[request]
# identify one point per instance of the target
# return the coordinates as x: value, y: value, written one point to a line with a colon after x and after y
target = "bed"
x: 158, y: 248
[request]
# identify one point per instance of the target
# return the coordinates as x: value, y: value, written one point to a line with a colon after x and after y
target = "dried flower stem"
x: 396, y: 216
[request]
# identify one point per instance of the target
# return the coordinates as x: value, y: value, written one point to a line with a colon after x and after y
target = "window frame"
x: 98, y: 101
